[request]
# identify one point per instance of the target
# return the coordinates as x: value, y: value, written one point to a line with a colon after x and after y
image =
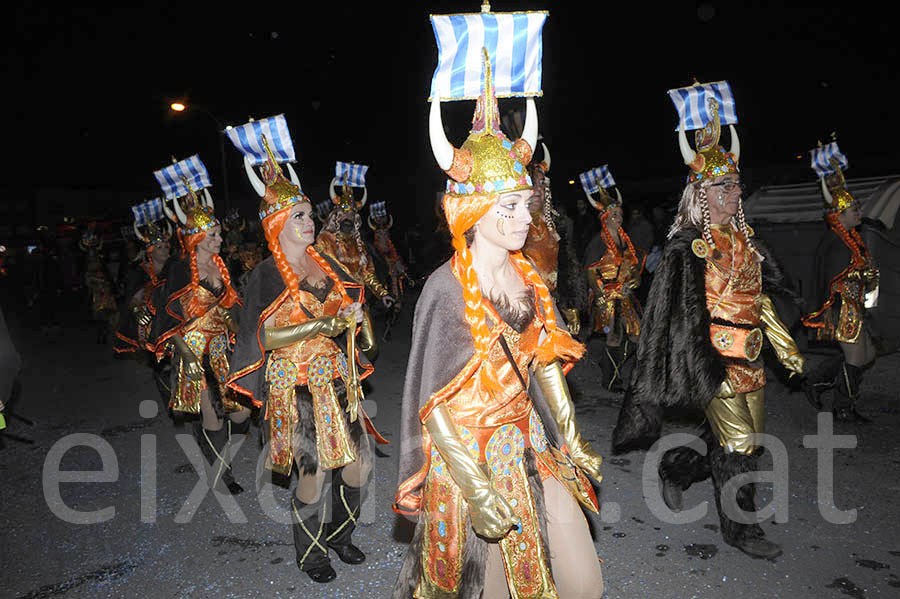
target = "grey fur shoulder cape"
x: 676, y: 363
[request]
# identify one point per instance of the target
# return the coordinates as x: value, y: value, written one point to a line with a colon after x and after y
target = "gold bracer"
x: 372, y: 282
x: 230, y: 322
x: 553, y: 384
x: 572, y: 320
x: 192, y: 365
x: 490, y: 514
x: 367, y: 342
x: 780, y: 338
x: 329, y: 326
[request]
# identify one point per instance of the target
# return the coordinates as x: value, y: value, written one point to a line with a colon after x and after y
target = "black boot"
x: 679, y: 468
x: 308, y: 527
x: 214, y: 445
x: 847, y: 395
x: 345, y: 507
x: 746, y: 537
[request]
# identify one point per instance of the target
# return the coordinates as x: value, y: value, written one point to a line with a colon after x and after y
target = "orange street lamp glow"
x: 177, y: 106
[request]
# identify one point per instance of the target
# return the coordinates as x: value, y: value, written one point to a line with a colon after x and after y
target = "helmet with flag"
x: 187, y: 183
x: 348, y: 175
x: 379, y: 217
x: 149, y: 217
x: 598, y: 181
x: 829, y: 164
x: 704, y: 108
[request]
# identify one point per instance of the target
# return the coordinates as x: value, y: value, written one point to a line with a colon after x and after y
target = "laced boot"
x: 847, y: 395
x: 345, y: 502
x: 308, y: 528
x: 214, y: 446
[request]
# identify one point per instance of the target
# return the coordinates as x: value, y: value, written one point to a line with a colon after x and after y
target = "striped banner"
x: 170, y: 178
x: 378, y: 209
x: 248, y: 139
x: 148, y: 212
x: 594, y: 179
x: 821, y: 156
x: 353, y: 174
x: 514, y: 44
x: 692, y: 104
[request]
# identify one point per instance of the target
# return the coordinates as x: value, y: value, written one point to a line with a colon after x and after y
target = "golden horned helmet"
x: 710, y: 159
x: 275, y: 191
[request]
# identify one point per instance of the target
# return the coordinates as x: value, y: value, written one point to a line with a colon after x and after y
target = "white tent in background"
x: 789, y: 218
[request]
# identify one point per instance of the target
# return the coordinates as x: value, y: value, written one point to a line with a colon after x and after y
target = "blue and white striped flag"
x: 823, y: 154
x: 692, y: 104
x: 248, y: 139
x: 378, y: 209
x: 148, y: 212
x: 170, y: 178
x: 514, y: 44
x: 594, y: 179
x: 355, y: 174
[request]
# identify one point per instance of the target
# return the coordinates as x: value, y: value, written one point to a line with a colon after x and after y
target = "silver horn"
x: 371, y: 224
x: 169, y: 214
x: 440, y: 146
x: 618, y: 196
x: 294, y: 178
x: 362, y: 202
x: 591, y: 200
x: 208, y: 197
x: 258, y: 186
x: 687, y: 153
x: 331, y: 194
x: 181, y: 216
x: 546, y: 157
x: 735, y: 144
x: 137, y: 232
x: 530, y: 130
x: 390, y: 221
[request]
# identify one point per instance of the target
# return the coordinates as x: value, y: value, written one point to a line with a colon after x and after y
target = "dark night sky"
x: 88, y: 89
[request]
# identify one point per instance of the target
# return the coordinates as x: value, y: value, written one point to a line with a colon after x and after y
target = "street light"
x: 181, y: 107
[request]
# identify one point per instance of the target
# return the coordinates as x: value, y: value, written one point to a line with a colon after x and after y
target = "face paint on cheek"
x: 500, y: 221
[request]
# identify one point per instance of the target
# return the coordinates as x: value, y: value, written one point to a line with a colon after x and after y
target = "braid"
x: 743, y: 228
x: 231, y: 297
x: 151, y: 271
x: 704, y: 212
x: 611, y: 246
x: 559, y: 343
x: 272, y: 226
x: 325, y: 266
x: 852, y: 240
x: 190, y: 246
x: 363, y: 260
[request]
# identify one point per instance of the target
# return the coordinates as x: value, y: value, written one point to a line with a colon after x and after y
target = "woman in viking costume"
x: 551, y: 230
x: 194, y: 319
x: 340, y: 237
x: 292, y: 360
x: 846, y: 274
x: 701, y: 335
x: 143, y: 280
x: 613, y: 269
x: 492, y: 463
x: 381, y: 222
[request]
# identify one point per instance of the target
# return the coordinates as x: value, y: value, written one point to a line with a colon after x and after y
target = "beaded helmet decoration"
x: 829, y: 164
x: 710, y: 159
x: 195, y: 213
x: 604, y: 199
x: 487, y: 163
x: 599, y: 181
x: 276, y: 191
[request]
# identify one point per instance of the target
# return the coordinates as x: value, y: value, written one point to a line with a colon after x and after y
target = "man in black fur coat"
x: 701, y: 336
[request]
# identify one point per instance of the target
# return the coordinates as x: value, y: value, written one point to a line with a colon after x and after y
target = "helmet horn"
x: 441, y: 148
x: 208, y: 198
x: 735, y: 144
x: 530, y: 130
x: 546, y: 157
x: 181, y: 216
x: 687, y: 153
x: 618, y: 196
x: 371, y: 224
x: 591, y: 200
x: 169, y: 214
x: 331, y: 194
x: 828, y: 199
x: 258, y: 186
x: 137, y: 233
x: 362, y: 202
x: 294, y: 178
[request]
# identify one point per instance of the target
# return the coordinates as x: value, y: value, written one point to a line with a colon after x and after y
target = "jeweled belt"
x: 736, y: 342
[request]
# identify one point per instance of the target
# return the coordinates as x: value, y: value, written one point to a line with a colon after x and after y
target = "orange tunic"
x: 345, y: 250
x: 733, y: 289
x: 614, y: 281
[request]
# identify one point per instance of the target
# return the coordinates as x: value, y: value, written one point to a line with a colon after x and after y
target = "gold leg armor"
x: 734, y: 419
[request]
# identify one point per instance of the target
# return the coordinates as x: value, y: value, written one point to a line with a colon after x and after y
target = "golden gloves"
x: 572, y: 320
x: 329, y: 326
x: 367, y: 343
x: 553, y: 384
x: 780, y: 338
x: 490, y: 514
x: 372, y: 282
x: 193, y: 368
x: 142, y: 315
x: 726, y: 391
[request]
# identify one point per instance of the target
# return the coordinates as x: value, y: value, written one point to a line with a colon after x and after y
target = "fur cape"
x: 676, y: 364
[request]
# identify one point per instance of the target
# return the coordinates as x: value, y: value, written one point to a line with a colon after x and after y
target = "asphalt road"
x: 72, y: 386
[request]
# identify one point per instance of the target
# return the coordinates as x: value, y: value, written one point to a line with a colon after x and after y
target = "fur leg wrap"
x: 724, y: 467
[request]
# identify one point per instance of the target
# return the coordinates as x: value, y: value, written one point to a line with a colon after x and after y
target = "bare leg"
x: 240, y: 416
x: 495, y: 586
x: 573, y: 559
x: 211, y: 421
x: 356, y: 474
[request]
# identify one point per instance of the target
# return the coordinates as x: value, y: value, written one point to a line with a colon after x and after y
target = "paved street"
x: 73, y: 386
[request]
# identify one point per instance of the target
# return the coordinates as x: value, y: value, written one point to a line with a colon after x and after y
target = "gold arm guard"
x: 553, y: 384
x: 372, y: 282
x: 330, y: 326
x: 367, y: 343
x: 490, y: 514
x: 780, y: 338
